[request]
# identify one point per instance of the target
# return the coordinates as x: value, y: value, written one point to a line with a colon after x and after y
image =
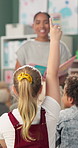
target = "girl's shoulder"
x: 4, y: 116
x: 4, y: 121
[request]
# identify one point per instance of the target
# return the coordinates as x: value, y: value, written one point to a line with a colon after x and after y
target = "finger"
x: 51, y: 24
x: 59, y: 27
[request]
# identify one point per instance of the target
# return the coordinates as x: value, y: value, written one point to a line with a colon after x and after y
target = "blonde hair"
x: 27, y: 94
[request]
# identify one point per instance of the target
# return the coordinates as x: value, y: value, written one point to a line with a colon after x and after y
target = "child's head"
x: 5, y: 95
x: 32, y: 83
x: 70, y: 96
x: 27, y: 83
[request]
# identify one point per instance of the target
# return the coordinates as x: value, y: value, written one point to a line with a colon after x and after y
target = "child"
x: 29, y: 125
x: 5, y: 98
x: 67, y: 127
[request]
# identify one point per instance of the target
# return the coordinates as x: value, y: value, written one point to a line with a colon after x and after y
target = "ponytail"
x: 27, y: 82
x: 27, y: 107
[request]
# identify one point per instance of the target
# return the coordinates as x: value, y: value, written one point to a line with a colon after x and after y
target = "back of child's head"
x: 41, y: 12
x: 3, y: 84
x: 33, y: 86
x: 27, y: 82
x: 4, y: 95
x: 71, y: 87
x: 4, y: 92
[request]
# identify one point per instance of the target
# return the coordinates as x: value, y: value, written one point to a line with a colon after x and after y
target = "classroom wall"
x: 9, y: 13
x: 5, y: 14
x: 9, y: 10
x: 75, y: 43
x: 15, y: 14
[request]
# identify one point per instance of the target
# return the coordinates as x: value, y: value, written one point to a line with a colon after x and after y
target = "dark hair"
x: 71, y: 87
x: 48, y: 16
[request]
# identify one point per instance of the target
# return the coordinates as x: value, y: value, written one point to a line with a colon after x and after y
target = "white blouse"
x: 52, y: 108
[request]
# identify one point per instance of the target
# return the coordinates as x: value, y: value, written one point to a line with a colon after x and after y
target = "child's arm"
x: 52, y: 80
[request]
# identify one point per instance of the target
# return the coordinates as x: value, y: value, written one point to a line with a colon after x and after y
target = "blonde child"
x: 30, y: 125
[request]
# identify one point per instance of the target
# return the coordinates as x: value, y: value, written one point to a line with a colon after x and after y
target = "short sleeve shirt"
x: 36, y: 52
x: 52, y: 109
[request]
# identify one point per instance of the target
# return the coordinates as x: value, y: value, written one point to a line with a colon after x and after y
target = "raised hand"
x: 55, y: 31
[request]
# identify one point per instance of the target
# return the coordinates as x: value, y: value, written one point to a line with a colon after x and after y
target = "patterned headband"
x: 24, y: 66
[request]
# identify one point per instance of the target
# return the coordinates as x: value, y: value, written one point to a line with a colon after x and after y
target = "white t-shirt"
x: 36, y: 52
x: 52, y: 108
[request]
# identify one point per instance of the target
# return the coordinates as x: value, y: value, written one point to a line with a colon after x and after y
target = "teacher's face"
x: 41, y: 25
